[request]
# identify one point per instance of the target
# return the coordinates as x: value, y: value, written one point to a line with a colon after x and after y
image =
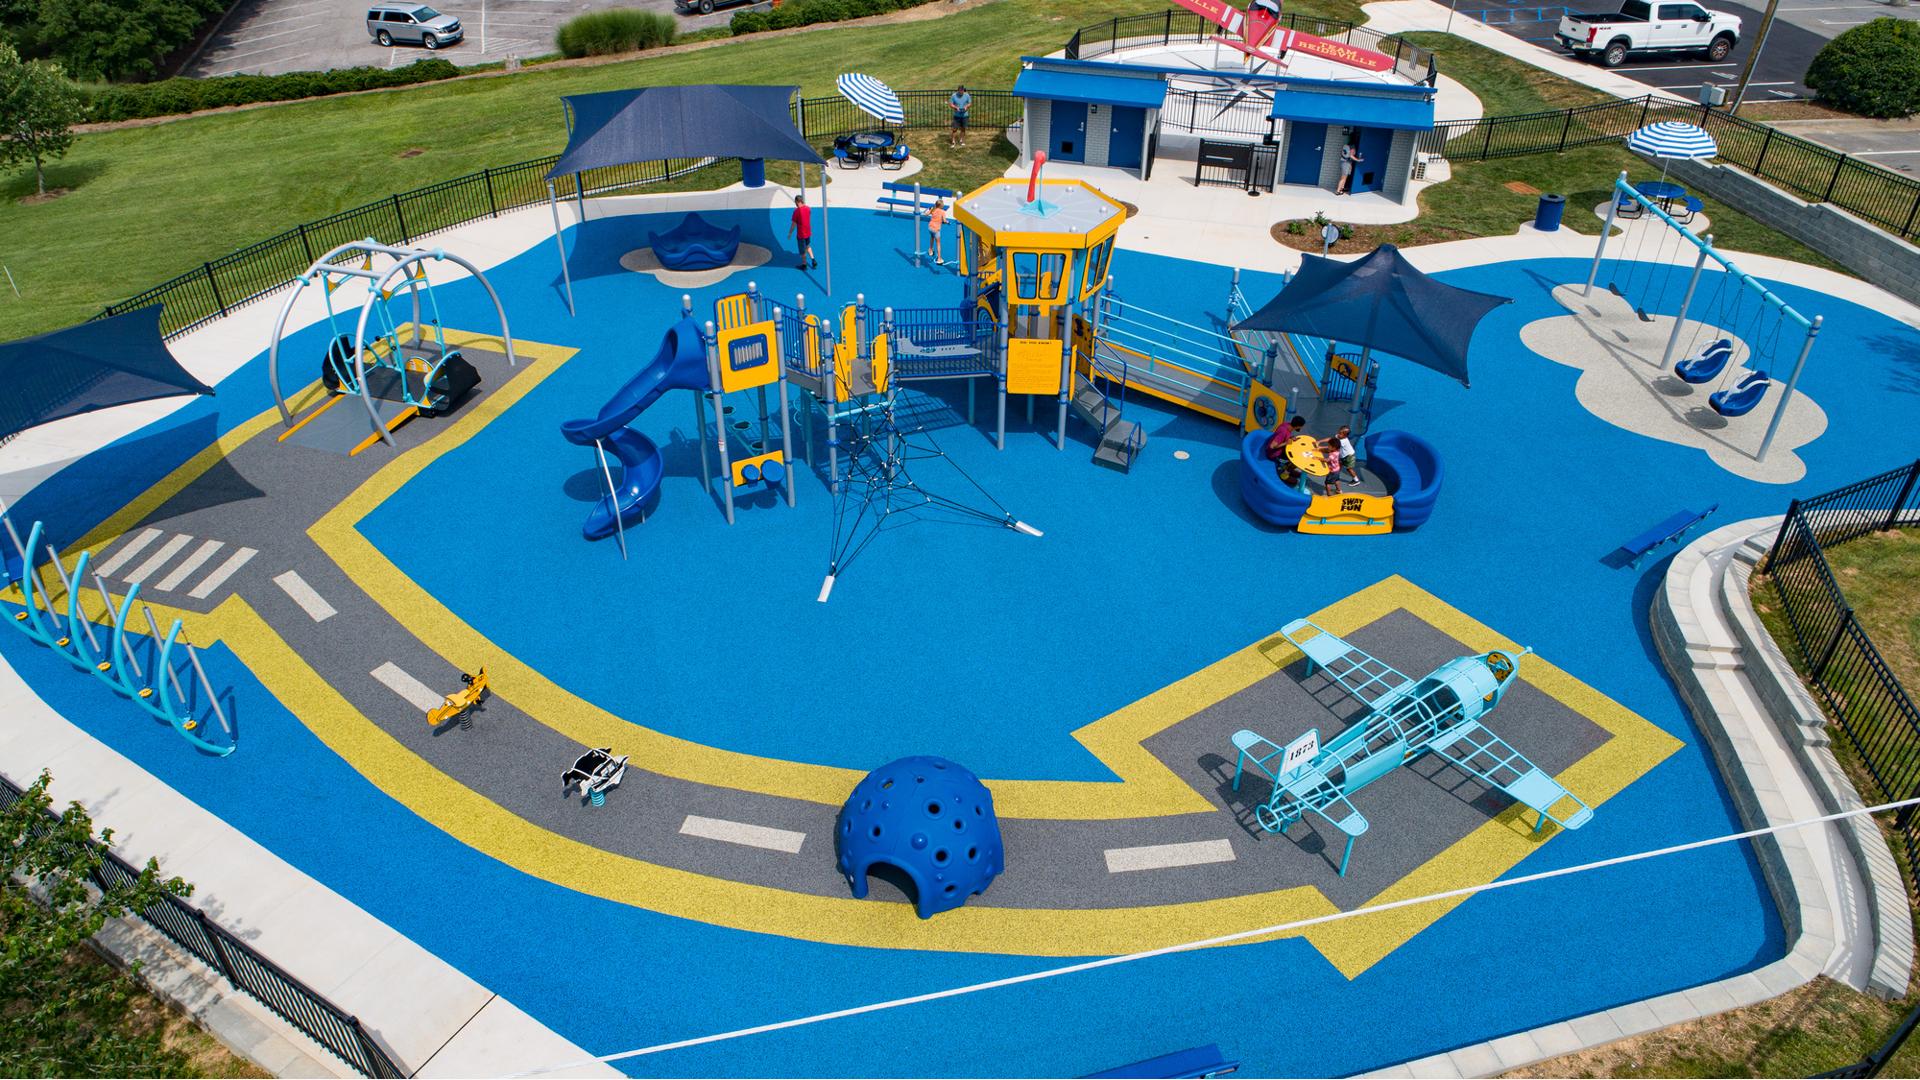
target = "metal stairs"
x: 1120, y: 440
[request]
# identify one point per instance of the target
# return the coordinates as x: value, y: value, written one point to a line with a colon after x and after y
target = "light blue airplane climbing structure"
x: 1405, y: 718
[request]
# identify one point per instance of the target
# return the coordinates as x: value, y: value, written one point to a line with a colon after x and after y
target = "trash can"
x: 753, y: 174
x: 1547, y: 217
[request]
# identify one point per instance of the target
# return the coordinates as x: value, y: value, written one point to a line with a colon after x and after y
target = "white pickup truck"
x: 1657, y: 28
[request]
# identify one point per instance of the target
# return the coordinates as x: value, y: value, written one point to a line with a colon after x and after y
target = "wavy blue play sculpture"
x: 928, y: 818
x: 695, y: 244
x: 1706, y: 365
x: 680, y: 364
x: 1745, y: 394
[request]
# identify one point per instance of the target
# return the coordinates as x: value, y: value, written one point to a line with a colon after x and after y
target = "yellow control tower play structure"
x: 1035, y: 257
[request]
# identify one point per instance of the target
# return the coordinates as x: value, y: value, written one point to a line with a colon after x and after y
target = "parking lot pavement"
x: 273, y: 36
x: 1890, y: 144
x: 1790, y: 48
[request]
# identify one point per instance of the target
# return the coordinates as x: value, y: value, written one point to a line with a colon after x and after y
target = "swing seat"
x: 1740, y: 400
x: 1707, y: 364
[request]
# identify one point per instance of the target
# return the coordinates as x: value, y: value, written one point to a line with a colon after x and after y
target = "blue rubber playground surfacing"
x: 992, y: 648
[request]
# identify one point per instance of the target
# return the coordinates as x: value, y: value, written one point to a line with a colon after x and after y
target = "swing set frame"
x: 1623, y: 190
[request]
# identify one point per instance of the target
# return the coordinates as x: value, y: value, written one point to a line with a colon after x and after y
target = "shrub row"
x: 1872, y: 69
x: 173, y: 96
x: 806, y: 12
x: 614, y: 30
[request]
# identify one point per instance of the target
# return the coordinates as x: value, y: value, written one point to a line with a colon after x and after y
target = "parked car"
x: 1642, y: 28
x: 412, y: 24
x: 708, y: 7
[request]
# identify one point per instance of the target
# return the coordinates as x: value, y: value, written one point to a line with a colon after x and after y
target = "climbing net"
x: 878, y: 491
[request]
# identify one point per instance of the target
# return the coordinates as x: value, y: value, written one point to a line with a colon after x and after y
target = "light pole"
x: 1753, y: 58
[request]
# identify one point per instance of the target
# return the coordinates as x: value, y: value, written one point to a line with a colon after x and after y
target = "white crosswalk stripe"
x: 739, y: 832
x: 159, y: 558
x: 1167, y: 856
x: 132, y: 547
x: 188, y: 565
x: 221, y: 573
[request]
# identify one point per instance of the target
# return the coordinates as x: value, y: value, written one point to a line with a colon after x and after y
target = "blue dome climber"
x: 928, y: 818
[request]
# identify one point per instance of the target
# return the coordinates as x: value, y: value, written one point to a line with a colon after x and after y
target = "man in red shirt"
x: 800, y: 228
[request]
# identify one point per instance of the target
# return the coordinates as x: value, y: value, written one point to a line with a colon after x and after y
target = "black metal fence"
x: 1215, y: 112
x: 246, y: 970
x: 1813, y: 172
x: 1236, y: 164
x: 1187, y: 28
x: 216, y: 287
x: 1837, y: 658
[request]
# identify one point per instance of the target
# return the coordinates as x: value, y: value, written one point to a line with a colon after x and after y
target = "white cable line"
x: 1223, y: 939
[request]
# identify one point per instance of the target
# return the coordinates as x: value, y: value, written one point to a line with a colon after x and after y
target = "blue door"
x: 1068, y: 131
x: 1128, y: 129
x: 1306, y: 143
x: 1371, y: 173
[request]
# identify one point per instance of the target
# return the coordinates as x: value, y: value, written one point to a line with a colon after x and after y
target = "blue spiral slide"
x: 680, y: 364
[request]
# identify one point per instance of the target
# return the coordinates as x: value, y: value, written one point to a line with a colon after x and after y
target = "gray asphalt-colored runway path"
x: 267, y: 494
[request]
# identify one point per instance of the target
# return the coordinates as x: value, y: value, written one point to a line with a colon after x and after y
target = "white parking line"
x: 133, y: 547
x: 247, y: 29
x: 226, y: 570
x: 1166, y: 856
x: 193, y: 562
x: 302, y: 593
x: 159, y: 558
x: 417, y: 693
x: 739, y: 832
x: 1671, y: 67
x: 1880, y: 153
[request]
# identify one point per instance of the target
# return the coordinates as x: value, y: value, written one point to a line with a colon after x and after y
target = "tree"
x: 62, y: 1013
x: 38, y: 108
x: 1872, y: 69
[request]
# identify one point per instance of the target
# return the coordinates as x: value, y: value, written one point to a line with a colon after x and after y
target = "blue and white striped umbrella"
x: 1673, y: 139
x: 872, y: 96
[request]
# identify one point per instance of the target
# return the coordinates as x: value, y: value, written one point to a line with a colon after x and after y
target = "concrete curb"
x: 1742, y: 692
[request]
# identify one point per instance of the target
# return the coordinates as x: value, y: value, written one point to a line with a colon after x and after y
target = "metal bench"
x: 1672, y: 528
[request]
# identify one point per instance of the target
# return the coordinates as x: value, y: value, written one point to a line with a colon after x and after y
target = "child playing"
x: 936, y: 221
x: 1344, y: 438
x: 1330, y: 449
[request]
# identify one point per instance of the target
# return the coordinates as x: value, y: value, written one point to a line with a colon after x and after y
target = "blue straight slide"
x: 681, y: 364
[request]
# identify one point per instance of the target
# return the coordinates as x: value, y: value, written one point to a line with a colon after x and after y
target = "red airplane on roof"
x: 1258, y: 29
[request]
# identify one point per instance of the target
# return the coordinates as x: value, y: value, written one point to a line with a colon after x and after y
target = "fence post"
x: 1565, y: 128
x: 1906, y: 490
x: 399, y: 217
x: 1764, y: 143
x: 214, y: 284
x: 1487, y: 147
x: 306, y: 244
x: 1833, y: 645
x: 1908, y: 227
x: 1645, y: 104
x: 1837, y: 166
x: 220, y: 960
x: 1166, y: 36
x: 368, y: 1052
x: 1793, y: 514
x: 493, y: 208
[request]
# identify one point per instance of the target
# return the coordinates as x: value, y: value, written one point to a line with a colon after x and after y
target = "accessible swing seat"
x: 1745, y: 394
x: 1707, y: 364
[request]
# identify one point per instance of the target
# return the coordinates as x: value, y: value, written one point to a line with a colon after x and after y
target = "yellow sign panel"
x: 1348, y: 515
x: 1033, y: 365
x: 747, y: 357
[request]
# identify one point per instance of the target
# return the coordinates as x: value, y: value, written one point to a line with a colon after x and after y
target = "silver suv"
x: 412, y: 24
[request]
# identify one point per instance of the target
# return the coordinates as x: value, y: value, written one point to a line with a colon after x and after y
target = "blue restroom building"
x: 1118, y: 116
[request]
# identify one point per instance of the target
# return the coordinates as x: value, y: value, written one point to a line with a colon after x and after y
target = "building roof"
x: 1400, y: 112
x: 661, y: 123
x: 1095, y: 87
